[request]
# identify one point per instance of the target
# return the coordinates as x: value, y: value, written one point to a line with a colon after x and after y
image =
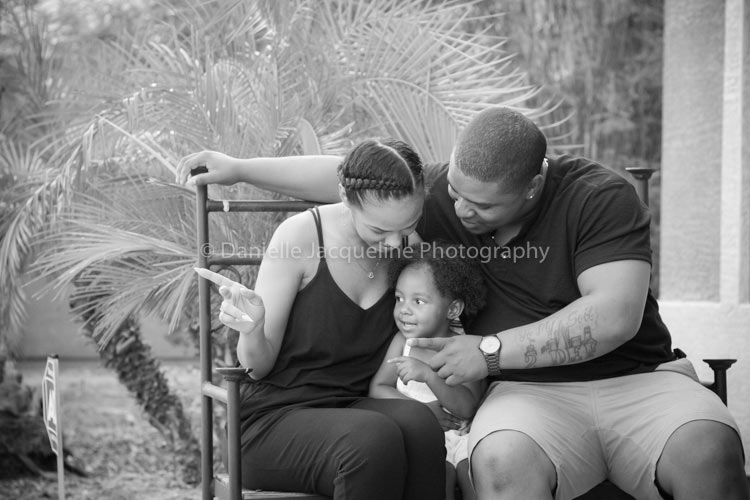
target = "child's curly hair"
x: 455, y: 277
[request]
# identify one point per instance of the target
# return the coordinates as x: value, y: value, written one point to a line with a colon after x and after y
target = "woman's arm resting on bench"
x: 310, y: 178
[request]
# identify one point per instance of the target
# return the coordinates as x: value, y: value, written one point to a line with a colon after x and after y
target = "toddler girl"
x: 433, y: 287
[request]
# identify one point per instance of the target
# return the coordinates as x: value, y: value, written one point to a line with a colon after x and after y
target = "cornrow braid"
x: 387, y: 169
x: 356, y: 183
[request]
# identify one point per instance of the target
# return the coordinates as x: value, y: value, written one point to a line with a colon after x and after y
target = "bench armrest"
x: 720, y: 367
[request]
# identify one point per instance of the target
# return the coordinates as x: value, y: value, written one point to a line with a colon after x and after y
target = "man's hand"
x: 457, y: 360
x: 409, y: 369
x: 221, y: 169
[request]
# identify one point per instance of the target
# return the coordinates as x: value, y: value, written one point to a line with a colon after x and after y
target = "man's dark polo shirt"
x: 587, y: 215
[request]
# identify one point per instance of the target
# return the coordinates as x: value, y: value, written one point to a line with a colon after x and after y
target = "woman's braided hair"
x: 387, y: 169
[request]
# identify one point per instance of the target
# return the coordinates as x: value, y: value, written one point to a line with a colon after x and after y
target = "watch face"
x: 489, y: 344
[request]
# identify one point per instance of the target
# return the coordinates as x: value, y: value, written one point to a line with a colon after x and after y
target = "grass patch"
x: 125, y: 456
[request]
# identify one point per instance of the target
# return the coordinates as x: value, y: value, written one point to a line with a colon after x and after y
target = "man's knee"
x: 702, y: 444
x: 703, y: 450
x: 506, y: 460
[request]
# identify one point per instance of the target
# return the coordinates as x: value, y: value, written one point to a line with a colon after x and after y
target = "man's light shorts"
x: 587, y: 428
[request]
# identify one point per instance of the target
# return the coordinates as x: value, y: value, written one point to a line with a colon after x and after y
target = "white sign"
x: 50, y: 402
x: 51, y: 407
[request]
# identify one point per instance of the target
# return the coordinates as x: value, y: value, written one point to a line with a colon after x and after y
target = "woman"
x: 314, y: 332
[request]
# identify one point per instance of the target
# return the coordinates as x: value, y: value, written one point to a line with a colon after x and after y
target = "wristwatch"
x: 490, y: 346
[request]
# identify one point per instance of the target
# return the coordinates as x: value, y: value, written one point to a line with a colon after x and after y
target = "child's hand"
x: 448, y: 421
x: 409, y: 369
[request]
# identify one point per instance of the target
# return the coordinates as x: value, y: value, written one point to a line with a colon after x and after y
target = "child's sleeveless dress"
x: 456, y: 441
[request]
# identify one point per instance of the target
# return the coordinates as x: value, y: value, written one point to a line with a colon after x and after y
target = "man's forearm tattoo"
x: 566, y: 341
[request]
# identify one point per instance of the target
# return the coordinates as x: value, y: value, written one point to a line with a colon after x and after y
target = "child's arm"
x: 461, y: 400
x: 383, y: 383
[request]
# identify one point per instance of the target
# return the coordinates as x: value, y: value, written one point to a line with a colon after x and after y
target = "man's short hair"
x: 501, y: 145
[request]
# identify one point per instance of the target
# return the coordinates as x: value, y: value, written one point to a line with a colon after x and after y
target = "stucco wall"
x: 705, y: 232
x: 691, y: 150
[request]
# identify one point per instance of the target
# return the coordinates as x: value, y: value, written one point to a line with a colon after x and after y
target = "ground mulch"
x: 107, y: 433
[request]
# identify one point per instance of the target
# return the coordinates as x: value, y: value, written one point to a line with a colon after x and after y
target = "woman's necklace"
x: 345, y: 221
x: 371, y: 272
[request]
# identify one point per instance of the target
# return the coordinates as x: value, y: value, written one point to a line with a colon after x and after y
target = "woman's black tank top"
x: 331, y: 348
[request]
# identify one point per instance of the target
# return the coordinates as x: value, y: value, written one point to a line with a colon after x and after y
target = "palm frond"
x: 129, y: 241
x: 418, y: 73
x: 31, y: 199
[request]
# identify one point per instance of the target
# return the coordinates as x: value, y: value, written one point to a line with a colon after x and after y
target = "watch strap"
x: 493, y: 363
x: 493, y: 359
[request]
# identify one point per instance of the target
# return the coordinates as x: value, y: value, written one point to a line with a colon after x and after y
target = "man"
x: 584, y: 382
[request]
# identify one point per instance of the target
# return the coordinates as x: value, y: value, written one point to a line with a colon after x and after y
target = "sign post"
x: 51, y: 402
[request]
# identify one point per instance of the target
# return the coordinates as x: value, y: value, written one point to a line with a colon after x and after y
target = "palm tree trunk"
x: 137, y: 369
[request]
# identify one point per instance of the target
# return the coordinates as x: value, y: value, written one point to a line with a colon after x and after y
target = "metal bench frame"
x: 226, y: 486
